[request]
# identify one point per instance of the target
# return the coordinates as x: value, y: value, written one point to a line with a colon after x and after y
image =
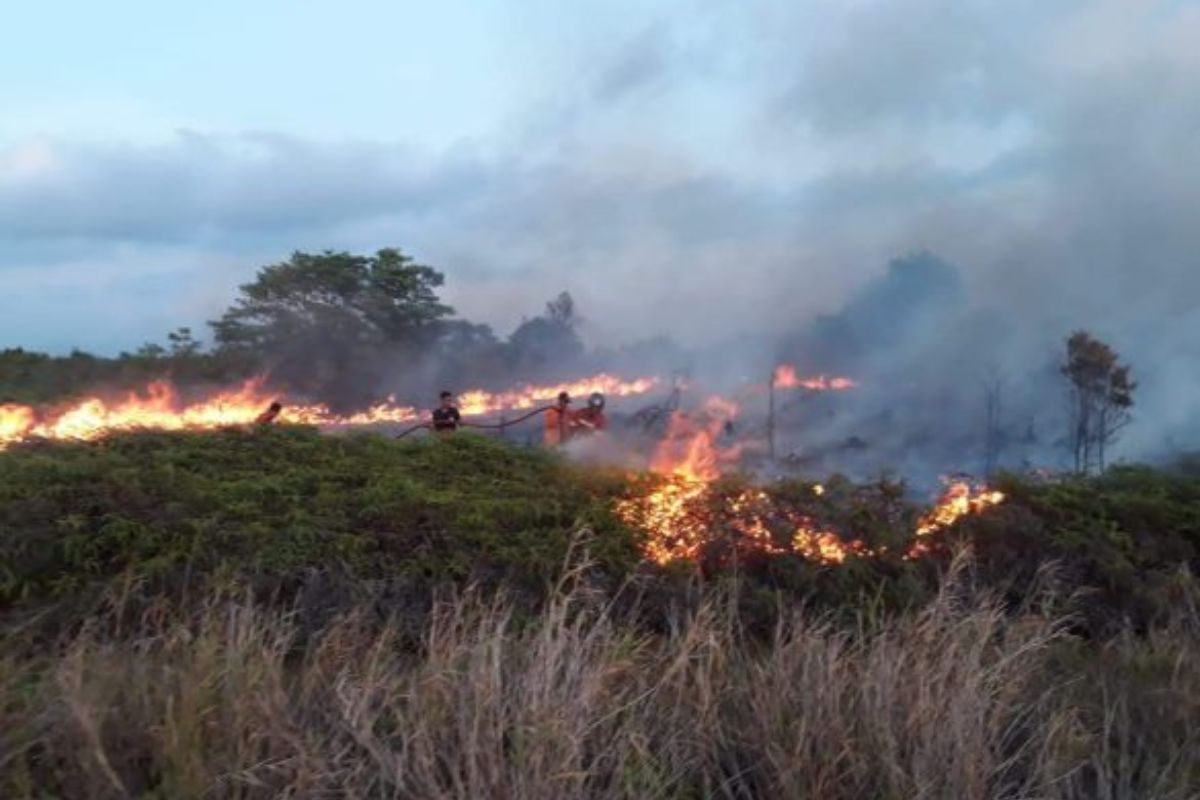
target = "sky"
x: 699, y: 169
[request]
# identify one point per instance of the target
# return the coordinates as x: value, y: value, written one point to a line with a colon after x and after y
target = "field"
x: 280, y: 613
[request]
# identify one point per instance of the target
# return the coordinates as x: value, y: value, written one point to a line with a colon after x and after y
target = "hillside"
x: 156, y: 514
x: 256, y: 613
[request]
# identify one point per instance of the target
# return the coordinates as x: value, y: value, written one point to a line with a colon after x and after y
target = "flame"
x: 785, y: 377
x: 14, y: 422
x: 478, y: 401
x: 160, y: 407
x: 681, y: 512
x: 959, y: 499
x: 690, y: 448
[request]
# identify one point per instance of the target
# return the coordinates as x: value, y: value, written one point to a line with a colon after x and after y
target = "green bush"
x: 271, y: 503
x: 328, y: 519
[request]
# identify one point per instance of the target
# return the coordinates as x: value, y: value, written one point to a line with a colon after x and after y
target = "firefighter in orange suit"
x: 558, y: 421
x: 590, y: 418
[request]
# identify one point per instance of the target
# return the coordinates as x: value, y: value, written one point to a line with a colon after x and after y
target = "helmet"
x: 596, y: 401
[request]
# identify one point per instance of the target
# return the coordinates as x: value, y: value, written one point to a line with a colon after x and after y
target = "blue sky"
x: 357, y: 70
x: 702, y: 169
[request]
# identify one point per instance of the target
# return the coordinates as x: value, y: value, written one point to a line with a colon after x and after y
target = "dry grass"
x: 957, y: 701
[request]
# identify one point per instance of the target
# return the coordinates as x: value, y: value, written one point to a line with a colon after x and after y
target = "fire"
x: 160, y: 407
x: 690, y: 458
x: 681, y: 512
x: 785, y: 377
x: 684, y: 513
x: 480, y: 402
x: 14, y: 421
x: 958, y: 500
x: 690, y: 449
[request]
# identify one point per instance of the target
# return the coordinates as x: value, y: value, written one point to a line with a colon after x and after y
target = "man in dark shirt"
x: 446, y: 418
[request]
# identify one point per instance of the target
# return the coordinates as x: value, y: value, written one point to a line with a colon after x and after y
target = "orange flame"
x: 160, y: 407
x: 14, y: 422
x: 785, y: 377
x: 681, y: 516
x: 478, y: 401
x: 958, y: 500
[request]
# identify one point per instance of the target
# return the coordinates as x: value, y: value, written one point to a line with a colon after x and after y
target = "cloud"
x: 710, y: 174
x: 205, y: 185
x: 640, y: 62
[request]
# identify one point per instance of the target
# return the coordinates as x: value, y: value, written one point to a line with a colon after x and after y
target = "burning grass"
x: 688, y: 513
x: 161, y: 407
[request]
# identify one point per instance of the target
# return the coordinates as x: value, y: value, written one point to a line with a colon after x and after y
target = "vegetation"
x: 276, y: 509
x: 959, y: 700
x: 321, y: 323
x: 336, y: 327
x: 267, y: 612
x: 176, y: 512
x: 1101, y: 396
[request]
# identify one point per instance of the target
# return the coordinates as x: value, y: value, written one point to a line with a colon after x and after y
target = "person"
x: 591, y: 418
x: 558, y: 420
x: 446, y: 417
x: 271, y: 414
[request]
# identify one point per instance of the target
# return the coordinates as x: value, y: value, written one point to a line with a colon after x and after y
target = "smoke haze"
x: 726, y: 176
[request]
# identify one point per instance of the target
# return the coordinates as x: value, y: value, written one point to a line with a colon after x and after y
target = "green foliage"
x: 287, y: 509
x: 1101, y: 396
x: 277, y: 502
x: 37, y: 378
x: 321, y: 322
x: 359, y: 299
x: 1127, y: 541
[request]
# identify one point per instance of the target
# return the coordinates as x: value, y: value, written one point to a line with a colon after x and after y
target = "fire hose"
x: 483, y: 425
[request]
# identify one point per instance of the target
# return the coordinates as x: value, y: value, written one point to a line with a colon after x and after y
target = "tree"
x: 466, y: 349
x: 561, y: 310
x: 549, y: 338
x: 1101, y: 392
x: 993, y: 436
x: 321, y: 322
x: 182, y: 344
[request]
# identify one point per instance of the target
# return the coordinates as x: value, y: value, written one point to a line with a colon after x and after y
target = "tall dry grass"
x: 957, y: 701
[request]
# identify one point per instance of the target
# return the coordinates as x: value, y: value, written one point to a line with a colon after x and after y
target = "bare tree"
x: 993, y: 435
x: 1101, y: 392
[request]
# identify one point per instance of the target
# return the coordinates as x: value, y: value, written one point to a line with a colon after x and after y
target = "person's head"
x: 447, y: 399
x: 276, y: 407
x: 564, y: 399
x: 596, y: 402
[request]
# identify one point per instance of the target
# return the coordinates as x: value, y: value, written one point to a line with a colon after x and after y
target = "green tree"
x: 324, y: 323
x: 1101, y: 392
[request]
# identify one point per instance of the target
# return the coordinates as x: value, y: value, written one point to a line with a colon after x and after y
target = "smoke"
x: 738, y: 179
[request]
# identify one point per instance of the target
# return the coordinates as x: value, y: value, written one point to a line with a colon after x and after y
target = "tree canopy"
x: 317, y: 320
x: 1101, y: 396
x: 550, y: 338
